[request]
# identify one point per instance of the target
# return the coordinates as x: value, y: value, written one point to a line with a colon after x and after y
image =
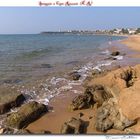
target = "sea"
x: 27, y: 58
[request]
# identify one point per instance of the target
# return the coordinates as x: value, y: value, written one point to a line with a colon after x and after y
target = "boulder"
x: 109, y: 116
x: 74, y: 75
x: 82, y: 102
x: 115, y: 53
x: 73, y: 126
x: 25, y: 115
x: 9, y: 99
x: 99, y: 94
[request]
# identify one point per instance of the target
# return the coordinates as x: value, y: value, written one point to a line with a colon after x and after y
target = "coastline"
x: 54, y: 120
x: 59, y: 111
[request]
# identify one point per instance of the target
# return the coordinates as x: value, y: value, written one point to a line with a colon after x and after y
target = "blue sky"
x: 18, y: 20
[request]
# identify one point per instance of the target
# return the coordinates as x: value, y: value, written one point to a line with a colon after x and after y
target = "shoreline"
x: 58, y: 106
x: 62, y: 114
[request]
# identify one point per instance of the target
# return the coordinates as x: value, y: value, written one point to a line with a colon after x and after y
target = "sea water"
x: 26, y: 57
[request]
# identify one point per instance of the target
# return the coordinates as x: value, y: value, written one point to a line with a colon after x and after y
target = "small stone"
x: 74, y: 75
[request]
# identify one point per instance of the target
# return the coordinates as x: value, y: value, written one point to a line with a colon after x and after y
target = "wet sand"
x: 132, y: 42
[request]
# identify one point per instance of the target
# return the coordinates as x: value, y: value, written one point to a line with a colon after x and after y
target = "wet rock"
x: 75, y: 75
x: 96, y: 72
x: 46, y: 66
x: 109, y: 116
x: 73, y: 126
x: 115, y: 53
x: 25, y: 115
x: 82, y: 102
x: 9, y: 99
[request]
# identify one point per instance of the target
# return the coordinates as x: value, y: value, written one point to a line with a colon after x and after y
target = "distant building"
x: 132, y: 31
x: 117, y: 31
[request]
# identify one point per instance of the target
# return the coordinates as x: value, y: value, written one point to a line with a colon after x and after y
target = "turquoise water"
x: 28, y: 56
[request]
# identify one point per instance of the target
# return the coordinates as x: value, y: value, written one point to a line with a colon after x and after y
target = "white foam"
x: 119, y: 57
x: 106, y: 52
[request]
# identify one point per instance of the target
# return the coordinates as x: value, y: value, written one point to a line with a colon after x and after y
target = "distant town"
x: 116, y: 31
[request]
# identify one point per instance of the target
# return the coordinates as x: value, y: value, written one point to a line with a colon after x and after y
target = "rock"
x: 6, y: 131
x: 46, y: 66
x: 73, y: 126
x: 96, y: 72
x: 25, y: 115
x: 74, y: 75
x: 109, y: 116
x: 129, y: 76
x: 82, y: 102
x: 23, y: 132
x: 9, y: 99
x: 99, y: 94
x: 115, y: 53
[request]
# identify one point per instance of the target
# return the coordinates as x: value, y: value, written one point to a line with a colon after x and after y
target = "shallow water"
x: 26, y: 57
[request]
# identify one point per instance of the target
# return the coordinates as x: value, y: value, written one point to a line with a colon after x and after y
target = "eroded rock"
x: 25, y: 115
x: 109, y: 116
x: 100, y: 94
x: 73, y: 126
x: 82, y: 102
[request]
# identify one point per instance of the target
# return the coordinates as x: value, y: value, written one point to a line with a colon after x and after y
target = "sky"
x: 30, y: 20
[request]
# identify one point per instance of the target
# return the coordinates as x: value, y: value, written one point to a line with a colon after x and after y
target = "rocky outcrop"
x: 93, y: 94
x: 99, y: 93
x: 73, y: 126
x: 9, y: 99
x: 109, y: 116
x: 81, y: 102
x: 25, y: 115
